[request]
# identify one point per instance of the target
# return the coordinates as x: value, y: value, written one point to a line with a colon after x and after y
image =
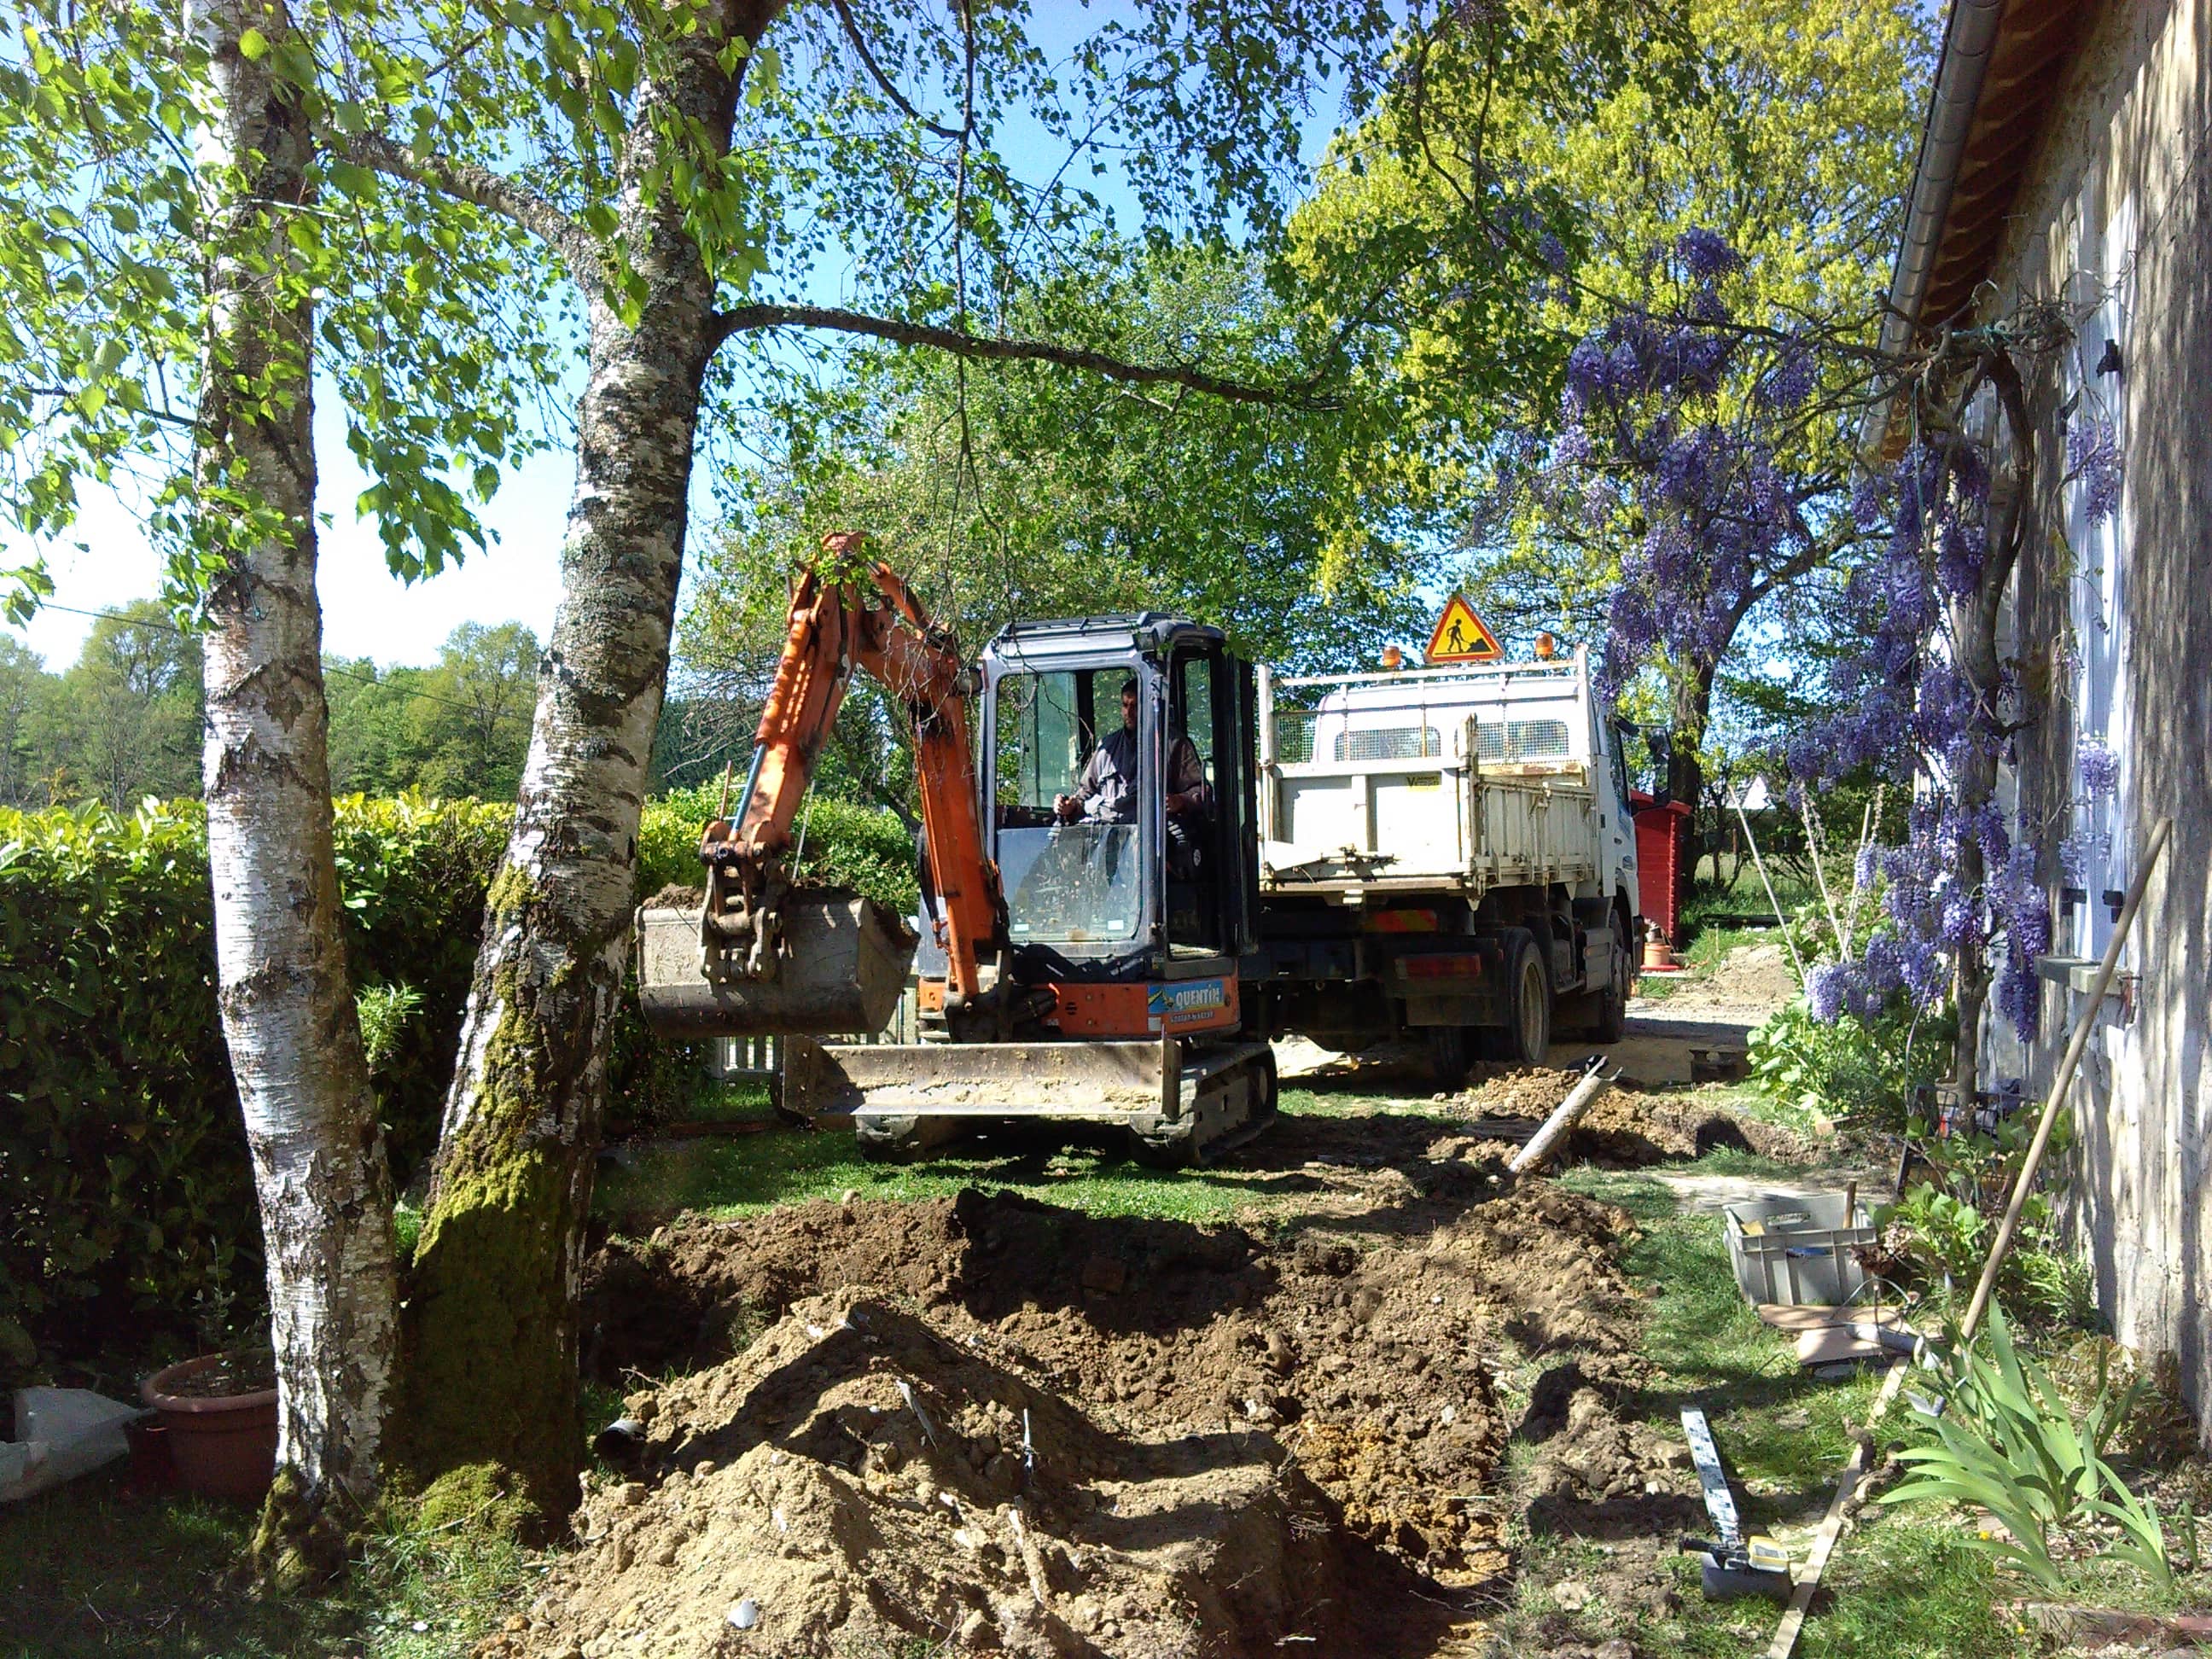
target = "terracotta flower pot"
x: 222, y: 1444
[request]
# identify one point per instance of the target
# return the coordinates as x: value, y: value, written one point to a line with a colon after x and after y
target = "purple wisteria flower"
x: 1705, y: 253
x: 1675, y: 421
x: 1826, y: 988
x: 2100, y: 769
x: 2092, y: 456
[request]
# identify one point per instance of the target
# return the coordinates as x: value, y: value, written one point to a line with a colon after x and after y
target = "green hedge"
x: 126, y: 1205
x: 124, y: 1187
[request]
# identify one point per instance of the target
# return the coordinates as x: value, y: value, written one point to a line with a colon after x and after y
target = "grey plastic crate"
x: 1802, y: 1255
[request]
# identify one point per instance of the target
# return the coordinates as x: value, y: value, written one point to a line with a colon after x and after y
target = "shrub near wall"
x: 126, y: 1202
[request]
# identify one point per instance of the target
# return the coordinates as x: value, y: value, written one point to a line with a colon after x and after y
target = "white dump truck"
x: 1445, y: 852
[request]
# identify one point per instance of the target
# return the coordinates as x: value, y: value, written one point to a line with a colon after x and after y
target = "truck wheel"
x: 1449, y: 1054
x: 1525, y: 1041
x: 1612, y: 1003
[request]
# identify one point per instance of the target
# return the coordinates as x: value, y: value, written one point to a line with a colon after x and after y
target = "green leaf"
x: 253, y: 45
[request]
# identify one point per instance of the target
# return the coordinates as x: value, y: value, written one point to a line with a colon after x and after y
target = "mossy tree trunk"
x: 489, y: 1327
x: 287, y: 1003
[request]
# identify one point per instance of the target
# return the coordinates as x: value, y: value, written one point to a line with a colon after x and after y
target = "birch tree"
x: 166, y: 247
x: 287, y: 1000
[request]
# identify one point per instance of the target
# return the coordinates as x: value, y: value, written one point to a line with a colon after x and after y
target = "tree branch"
x: 492, y: 191
x: 890, y: 90
x: 744, y: 320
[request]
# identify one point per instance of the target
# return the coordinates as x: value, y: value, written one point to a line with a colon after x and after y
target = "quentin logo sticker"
x: 1186, y: 1000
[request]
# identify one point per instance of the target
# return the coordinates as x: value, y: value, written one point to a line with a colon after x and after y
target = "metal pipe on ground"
x: 1531, y: 1157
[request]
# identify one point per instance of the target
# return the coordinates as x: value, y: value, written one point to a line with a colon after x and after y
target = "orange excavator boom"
x: 840, y: 621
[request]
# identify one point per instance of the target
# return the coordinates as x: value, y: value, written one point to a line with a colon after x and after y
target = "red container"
x: 1663, y: 869
x: 222, y: 1445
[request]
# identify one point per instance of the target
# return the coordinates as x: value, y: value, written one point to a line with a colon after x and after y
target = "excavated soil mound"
x: 1749, y: 976
x: 1367, y: 1364
x: 858, y: 1483
x: 1625, y: 1127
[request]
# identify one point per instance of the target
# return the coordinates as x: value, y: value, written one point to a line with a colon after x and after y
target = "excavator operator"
x: 1107, y: 791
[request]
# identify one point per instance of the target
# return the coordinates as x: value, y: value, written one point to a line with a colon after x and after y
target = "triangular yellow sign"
x: 1462, y: 636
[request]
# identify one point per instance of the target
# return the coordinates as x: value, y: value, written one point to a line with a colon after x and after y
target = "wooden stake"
x: 1780, y: 921
x: 1813, y: 845
x: 2063, y: 1079
x: 1824, y: 1541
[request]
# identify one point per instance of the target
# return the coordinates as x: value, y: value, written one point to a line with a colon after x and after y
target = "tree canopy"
x: 458, y: 728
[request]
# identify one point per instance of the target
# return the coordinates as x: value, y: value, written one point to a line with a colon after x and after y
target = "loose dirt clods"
x: 862, y: 1480
x: 986, y: 1424
x: 1335, y: 1403
x: 1625, y: 1127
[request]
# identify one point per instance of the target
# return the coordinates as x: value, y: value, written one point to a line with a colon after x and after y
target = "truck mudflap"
x: 840, y: 968
x: 1176, y: 1100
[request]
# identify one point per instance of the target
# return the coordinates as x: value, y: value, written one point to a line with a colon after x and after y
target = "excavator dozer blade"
x: 995, y: 1079
x: 839, y: 973
x: 1175, y: 1104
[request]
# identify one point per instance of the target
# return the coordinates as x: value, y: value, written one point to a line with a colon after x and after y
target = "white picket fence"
x: 760, y: 1059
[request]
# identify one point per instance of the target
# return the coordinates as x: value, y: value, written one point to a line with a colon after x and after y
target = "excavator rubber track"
x: 1178, y: 1102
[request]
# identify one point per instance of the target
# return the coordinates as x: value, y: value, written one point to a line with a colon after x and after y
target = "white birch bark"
x: 491, y: 1315
x: 287, y: 1010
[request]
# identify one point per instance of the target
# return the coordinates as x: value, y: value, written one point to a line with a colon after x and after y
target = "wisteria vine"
x: 1677, y: 432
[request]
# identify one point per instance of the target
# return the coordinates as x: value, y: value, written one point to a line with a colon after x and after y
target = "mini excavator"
x: 1074, y: 964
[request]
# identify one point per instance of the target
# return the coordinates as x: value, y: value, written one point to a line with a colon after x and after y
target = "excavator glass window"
x: 1070, y: 773
x: 1193, y: 815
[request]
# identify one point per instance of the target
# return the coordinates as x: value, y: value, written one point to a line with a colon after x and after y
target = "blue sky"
x: 366, y: 611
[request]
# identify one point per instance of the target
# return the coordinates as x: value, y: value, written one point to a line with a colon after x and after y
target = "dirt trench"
x: 1229, y: 1443
x: 986, y: 1424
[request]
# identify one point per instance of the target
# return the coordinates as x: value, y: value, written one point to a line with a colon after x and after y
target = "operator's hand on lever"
x: 1067, y: 808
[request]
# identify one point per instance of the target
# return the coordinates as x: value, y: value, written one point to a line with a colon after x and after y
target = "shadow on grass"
x: 94, y: 1568
x: 91, y: 1569
x: 643, y: 1184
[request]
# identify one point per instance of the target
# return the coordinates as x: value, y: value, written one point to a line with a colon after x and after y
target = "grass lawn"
x: 93, y: 1569
x: 641, y: 1185
x: 1903, y: 1582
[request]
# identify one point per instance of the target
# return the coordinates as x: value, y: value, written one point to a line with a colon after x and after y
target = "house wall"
x: 2115, y: 214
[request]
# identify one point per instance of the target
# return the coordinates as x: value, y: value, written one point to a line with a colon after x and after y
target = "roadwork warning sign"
x: 1462, y: 636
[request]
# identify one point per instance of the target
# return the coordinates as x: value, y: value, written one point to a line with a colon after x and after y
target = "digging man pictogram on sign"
x: 1462, y: 636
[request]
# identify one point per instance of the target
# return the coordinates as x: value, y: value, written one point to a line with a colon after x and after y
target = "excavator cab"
x: 1118, y: 770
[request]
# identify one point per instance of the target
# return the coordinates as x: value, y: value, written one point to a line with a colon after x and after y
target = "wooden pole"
x: 2063, y: 1079
x: 1814, y: 840
x: 1832, y: 1526
x: 1780, y: 921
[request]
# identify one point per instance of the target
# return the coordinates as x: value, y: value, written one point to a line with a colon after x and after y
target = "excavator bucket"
x: 840, y: 973
x: 998, y: 1079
